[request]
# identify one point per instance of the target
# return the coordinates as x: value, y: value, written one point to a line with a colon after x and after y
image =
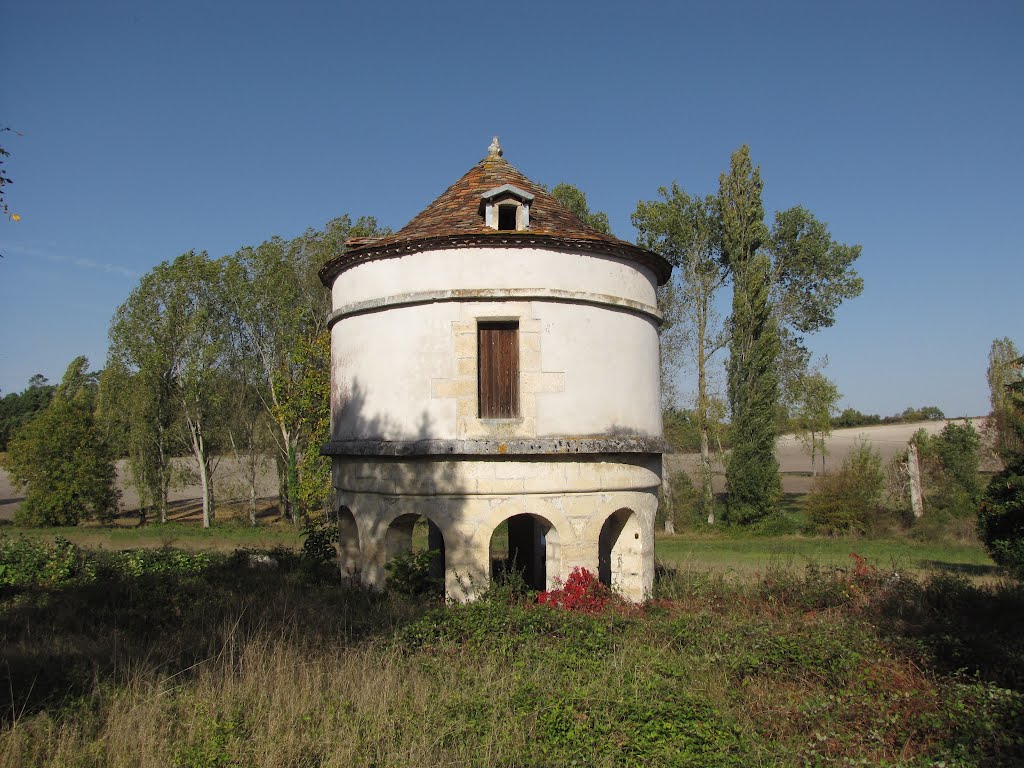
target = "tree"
x: 752, y: 474
x: 170, y: 339
x: 687, y: 232
x: 1001, y: 511
x: 1001, y: 374
x: 63, y: 458
x: 139, y: 387
x: 576, y: 201
x: 811, y: 273
x: 277, y: 303
x: 808, y: 276
x: 813, y: 401
x: 18, y: 408
x: 949, y: 464
x: 306, y: 401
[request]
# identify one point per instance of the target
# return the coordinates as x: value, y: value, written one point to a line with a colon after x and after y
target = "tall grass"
x: 157, y: 659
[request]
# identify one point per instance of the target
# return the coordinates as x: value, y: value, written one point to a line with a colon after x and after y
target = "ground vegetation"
x: 222, y: 659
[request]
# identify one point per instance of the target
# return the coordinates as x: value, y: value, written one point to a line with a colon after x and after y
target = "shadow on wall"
x: 396, y: 502
x: 397, y: 499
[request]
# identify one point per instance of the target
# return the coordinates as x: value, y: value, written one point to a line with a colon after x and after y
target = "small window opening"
x: 498, y: 370
x: 507, y: 215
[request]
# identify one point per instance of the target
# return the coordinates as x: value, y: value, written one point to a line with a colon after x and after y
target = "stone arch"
x: 620, y: 552
x: 533, y: 548
x: 349, y: 553
x: 403, y: 536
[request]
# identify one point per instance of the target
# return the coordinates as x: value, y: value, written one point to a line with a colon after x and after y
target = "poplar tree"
x: 752, y: 474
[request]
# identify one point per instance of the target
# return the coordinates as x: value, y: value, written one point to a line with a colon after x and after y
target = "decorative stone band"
x: 549, y: 446
x: 389, y: 247
x: 493, y: 294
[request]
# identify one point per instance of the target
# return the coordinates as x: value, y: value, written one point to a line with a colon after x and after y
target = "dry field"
x: 795, y: 464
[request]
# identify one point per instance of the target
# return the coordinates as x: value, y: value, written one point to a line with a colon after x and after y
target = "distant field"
x: 795, y: 463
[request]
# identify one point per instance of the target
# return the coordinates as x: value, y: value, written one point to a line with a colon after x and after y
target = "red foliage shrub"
x: 582, y: 592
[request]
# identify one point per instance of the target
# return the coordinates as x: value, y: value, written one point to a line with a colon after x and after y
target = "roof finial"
x: 495, y: 149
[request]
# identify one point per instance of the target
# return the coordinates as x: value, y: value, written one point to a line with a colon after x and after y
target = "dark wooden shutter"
x: 498, y: 360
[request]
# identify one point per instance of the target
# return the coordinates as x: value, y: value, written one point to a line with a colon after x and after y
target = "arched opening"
x: 408, y: 540
x: 526, y: 545
x: 619, y: 563
x: 349, y: 557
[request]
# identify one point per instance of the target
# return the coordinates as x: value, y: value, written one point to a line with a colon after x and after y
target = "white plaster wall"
x: 612, y: 378
x: 383, y: 364
x: 489, y: 268
x: 388, y: 366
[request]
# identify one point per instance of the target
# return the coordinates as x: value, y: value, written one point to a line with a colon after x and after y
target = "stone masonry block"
x: 460, y: 387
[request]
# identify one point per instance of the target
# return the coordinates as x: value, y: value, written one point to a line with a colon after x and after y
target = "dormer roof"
x: 516, y: 192
x: 456, y: 220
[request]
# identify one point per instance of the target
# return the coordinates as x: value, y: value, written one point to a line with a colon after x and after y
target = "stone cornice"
x: 493, y: 294
x: 542, y: 446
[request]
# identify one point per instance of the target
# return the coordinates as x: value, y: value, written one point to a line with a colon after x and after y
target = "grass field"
x: 748, y: 555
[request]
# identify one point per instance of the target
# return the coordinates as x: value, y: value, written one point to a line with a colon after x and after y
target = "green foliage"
x: 575, y: 200
x: 851, y: 417
x: 305, y: 399
x: 813, y: 274
x: 1001, y: 517
x: 752, y: 473
x: 1001, y: 511
x: 30, y: 563
x: 210, y: 747
x: 924, y: 413
x: 414, y: 573
x: 812, y: 399
x: 950, y: 462
x: 1005, y: 371
x: 221, y: 664
x: 63, y: 458
x: 321, y: 536
x: 680, y: 429
x: 17, y: 409
x: 849, y: 498
x: 687, y: 508
x: 277, y: 313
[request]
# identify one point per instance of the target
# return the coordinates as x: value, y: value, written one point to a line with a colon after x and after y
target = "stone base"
x: 594, y: 511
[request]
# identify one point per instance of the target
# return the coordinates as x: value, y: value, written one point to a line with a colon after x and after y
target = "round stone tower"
x: 495, y: 364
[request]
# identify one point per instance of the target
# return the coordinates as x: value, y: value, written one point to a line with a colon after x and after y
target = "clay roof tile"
x: 455, y: 219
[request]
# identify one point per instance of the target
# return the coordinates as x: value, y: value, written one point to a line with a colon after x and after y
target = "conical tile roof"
x: 456, y: 220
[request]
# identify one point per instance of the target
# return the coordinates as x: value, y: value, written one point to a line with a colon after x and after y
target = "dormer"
x: 506, y: 208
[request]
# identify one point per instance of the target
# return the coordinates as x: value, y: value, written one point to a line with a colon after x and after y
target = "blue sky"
x: 150, y: 128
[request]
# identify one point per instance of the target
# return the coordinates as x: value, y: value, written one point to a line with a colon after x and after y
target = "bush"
x: 950, y: 462
x: 415, y: 573
x: 686, y: 507
x: 849, y: 498
x: 64, y: 459
x: 1001, y: 518
x: 582, y: 592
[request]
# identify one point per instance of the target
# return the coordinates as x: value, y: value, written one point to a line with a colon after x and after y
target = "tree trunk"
x: 195, y: 429
x: 253, y: 473
x: 814, y: 455
x: 914, y: 469
x: 707, y: 489
x: 284, y: 473
x: 666, y: 485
